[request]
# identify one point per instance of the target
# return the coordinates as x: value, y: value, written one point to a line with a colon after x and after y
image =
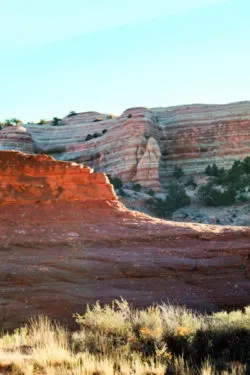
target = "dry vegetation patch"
x: 119, y: 340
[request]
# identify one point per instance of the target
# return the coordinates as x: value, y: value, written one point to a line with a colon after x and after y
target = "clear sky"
x: 108, y: 55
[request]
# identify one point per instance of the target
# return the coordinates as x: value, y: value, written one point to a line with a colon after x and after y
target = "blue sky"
x: 108, y: 55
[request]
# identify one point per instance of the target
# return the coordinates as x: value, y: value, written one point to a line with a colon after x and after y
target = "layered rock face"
x: 16, y: 138
x: 144, y: 145
x: 197, y: 135
x: 35, y: 178
x: 57, y: 254
x: 123, y: 147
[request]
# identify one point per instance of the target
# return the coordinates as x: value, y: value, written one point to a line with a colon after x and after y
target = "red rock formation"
x: 30, y: 178
x: 66, y: 251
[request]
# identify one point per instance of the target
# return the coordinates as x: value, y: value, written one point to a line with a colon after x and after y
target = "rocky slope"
x: 58, y: 253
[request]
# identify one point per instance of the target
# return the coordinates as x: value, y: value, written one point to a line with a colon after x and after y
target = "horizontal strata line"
x: 64, y: 142
x: 231, y: 153
x: 201, y: 125
x: 187, y: 117
x: 212, y: 128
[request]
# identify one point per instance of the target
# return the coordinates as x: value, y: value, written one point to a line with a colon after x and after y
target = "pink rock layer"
x: 144, y: 145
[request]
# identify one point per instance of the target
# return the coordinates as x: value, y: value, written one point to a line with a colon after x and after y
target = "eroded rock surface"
x: 59, y: 254
x: 35, y: 178
x: 17, y: 138
x: 190, y: 136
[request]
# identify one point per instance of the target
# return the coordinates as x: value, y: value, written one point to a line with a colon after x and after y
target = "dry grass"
x: 117, y: 340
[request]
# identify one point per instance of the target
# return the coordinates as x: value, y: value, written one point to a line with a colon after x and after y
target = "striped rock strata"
x: 16, y: 138
x: 58, y: 254
x: 125, y: 149
x: 197, y: 135
x: 144, y: 145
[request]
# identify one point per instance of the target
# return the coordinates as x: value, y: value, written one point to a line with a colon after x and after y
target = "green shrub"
x: 209, y: 195
x: 88, y: 137
x: 56, y: 121
x: 72, y: 113
x: 116, y: 182
x: 246, y: 165
x: 42, y: 122
x: 178, y: 172
x: 137, y: 187
x: 151, y: 192
x: 191, y: 183
x: 175, y: 199
x: 212, y: 170
x: 224, y: 185
x: 97, y: 135
x: 242, y: 198
x: 239, y: 171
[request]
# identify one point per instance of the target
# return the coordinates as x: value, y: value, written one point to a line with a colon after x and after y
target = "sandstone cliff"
x: 143, y: 145
x: 32, y: 178
x: 58, y: 253
x: 17, y: 138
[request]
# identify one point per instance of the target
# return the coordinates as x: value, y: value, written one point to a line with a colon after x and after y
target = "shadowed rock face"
x: 61, y: 253
x: 16, y: 138
x: 144, y: 145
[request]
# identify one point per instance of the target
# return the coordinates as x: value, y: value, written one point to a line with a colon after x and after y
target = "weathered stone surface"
x: 16, y: 138
x: 197, y: 135
x: 59, y: 254
x: 144, y: 145
x: 31, y: 178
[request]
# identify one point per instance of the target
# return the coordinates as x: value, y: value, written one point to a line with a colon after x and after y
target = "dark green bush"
x: 210, y: 195
x: 178, y: 172
x: 246, y: 165
x: 137, y: 187
x: 242, y: 198
x: 72, y: 113
x: 191, y: 183
x: 116, y: 182
x: 42, y: 122
x: 175, y: 199
x: 151, y: 192
x: 88, y: 137
x: 223, y: 185
x: 56, y: 121
x: 96, y: 135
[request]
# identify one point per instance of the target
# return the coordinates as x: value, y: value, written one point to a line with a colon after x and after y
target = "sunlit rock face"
x: 143, y: 145
x: 35, y: 178
x: 66, y: 241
